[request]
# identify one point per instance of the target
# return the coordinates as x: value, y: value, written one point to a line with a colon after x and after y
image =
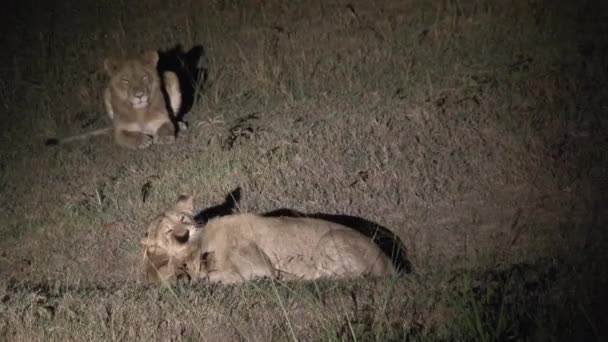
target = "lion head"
x: 134, y: 81
x: 170, y: 241
x: 174, y: 231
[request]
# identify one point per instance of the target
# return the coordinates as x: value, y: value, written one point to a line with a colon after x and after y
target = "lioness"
x: 135, y: 103
x: 240, y: 247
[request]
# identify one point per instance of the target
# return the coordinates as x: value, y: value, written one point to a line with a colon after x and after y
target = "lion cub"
x: 240, y: 247
x: 135, y: 103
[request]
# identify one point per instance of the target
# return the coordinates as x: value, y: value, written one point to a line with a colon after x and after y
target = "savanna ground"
x: 475, y: 130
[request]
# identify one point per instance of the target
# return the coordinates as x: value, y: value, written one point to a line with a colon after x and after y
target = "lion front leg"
x: 240, y: 264
x: 224, y: 277
x: 218, y: 268
x: 251, y: 262
x: 132, y: 140
x: 107, y: 101
x: 165, y: 134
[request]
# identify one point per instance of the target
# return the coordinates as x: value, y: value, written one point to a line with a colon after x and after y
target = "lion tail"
x: 59, y: 141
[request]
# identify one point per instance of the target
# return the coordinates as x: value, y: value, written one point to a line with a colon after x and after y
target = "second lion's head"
x: 134, y: 80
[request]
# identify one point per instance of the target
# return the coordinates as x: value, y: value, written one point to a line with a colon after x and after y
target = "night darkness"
x: 466, y: 138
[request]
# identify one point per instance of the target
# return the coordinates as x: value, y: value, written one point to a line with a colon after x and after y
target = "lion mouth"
x: 139, y: 102
x: 182, y: 238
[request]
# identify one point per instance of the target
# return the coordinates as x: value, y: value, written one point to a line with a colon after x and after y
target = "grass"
x: 472, y: 129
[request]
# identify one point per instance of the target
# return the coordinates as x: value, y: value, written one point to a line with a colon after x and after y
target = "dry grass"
x: 473, y: 129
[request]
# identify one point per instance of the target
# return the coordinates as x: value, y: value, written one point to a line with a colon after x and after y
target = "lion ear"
x: 110, y: 65
x: 185, y: 204
x: 150, y: 58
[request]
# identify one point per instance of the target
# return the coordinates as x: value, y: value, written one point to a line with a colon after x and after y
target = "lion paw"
x: 144, y: 141
x: 182, y: 125
x: 164, y: 139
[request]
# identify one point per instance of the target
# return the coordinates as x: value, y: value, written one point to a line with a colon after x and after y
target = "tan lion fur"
x: 135, y: 103
x: 241, y: 247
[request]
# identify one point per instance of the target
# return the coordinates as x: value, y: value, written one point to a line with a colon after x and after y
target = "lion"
x: 167, y: 248
x: 135, y: 103
x: 241, y: 247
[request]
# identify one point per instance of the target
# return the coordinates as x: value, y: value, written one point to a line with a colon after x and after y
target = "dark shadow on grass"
x: 192, y: 76
x: 228, y: 207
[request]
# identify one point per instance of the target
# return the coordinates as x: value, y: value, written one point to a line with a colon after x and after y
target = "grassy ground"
x: 475, y: 130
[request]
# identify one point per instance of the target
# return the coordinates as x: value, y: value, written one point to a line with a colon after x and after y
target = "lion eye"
x: 124, y: 81
x: 183, y: 219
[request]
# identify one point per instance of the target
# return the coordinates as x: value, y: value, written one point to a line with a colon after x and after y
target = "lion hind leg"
x: 252, y: 262
x: 346, y: 253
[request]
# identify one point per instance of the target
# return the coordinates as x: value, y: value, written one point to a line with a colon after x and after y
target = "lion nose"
x: 139, y: 94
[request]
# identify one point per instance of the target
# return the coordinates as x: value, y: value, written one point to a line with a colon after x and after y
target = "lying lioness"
x: 241, y: 247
